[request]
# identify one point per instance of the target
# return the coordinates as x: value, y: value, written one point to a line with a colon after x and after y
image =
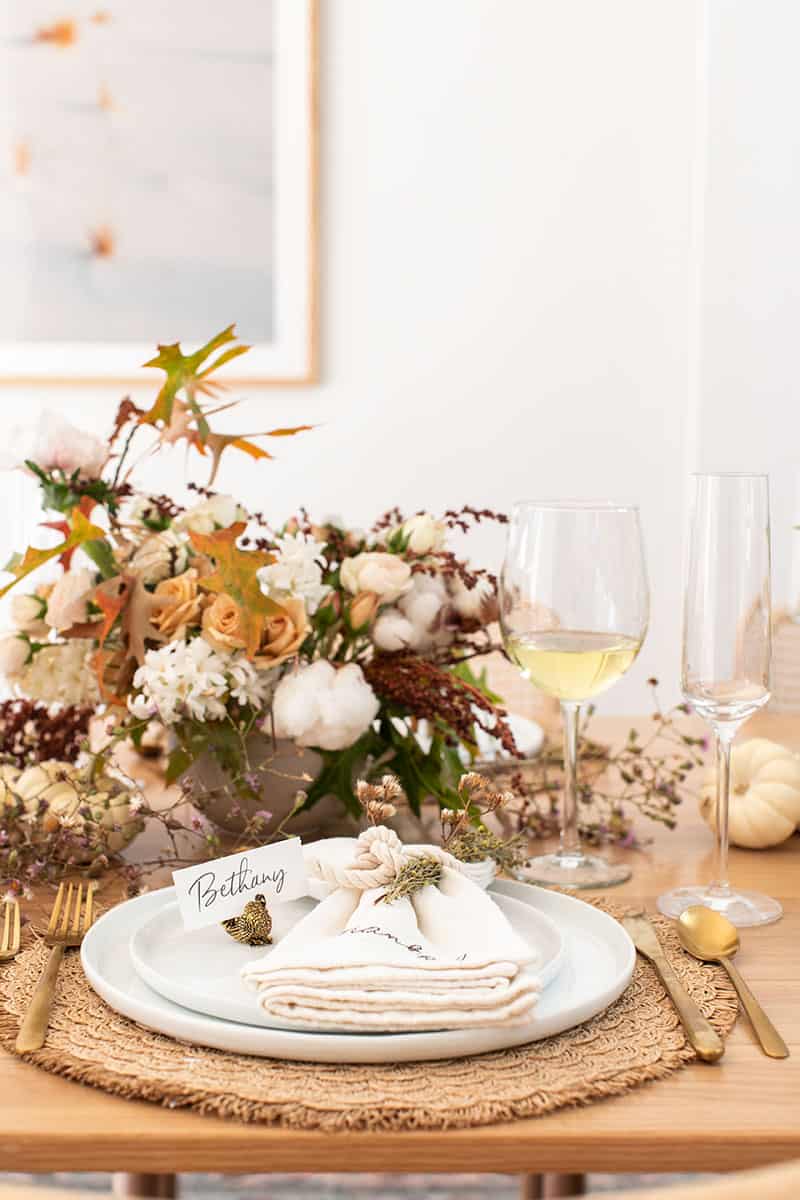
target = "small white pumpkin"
x: 765, y: 794
x: 107, y: 799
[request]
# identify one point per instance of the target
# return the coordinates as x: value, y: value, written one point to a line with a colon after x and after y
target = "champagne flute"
x: 573, y: 612
x: 726, y: 655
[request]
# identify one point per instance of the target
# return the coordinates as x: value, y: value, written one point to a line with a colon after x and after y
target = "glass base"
x: 741, y: 908
x: 573, y: 870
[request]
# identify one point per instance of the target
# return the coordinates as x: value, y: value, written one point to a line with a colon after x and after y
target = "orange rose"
x: 181, y: 606
x: 284, y: 634
x: 222, y: 624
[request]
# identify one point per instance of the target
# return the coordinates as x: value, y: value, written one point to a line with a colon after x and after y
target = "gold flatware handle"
x: 702, y: 1035
x: 33, y: 1030
x: 771, y: 1041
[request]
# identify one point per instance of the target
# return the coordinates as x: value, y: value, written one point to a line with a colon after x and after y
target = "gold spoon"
x: 712, y: 938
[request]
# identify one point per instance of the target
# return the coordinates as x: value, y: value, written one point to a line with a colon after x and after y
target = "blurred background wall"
x: 558, y: 258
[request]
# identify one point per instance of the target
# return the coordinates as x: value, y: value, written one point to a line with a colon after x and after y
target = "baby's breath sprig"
x: 472, y: 843
x: 380, y: 801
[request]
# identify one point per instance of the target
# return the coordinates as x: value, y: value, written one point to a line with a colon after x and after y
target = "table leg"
x: 530, y: 1187
x: 152, y: 1187
x: 556, y: 1186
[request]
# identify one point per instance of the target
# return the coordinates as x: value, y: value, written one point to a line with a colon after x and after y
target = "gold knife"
x: 701, y: 1034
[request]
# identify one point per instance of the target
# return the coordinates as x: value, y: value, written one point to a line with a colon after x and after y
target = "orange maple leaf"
x: 235, y: 576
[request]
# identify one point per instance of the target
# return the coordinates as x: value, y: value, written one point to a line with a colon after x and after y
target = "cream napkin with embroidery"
x: 444, y: 958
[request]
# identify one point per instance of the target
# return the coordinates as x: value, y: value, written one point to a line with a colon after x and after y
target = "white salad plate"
x: 175, y: 963
x: 596, y: 968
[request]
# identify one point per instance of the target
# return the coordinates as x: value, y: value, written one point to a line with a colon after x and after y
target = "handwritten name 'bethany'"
x: 206, y: 889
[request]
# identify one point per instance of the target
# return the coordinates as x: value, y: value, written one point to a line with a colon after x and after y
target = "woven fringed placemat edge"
x: 375, y: 1116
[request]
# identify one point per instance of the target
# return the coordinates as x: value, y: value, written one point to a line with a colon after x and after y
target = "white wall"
x: 508, y: 274
x: 750, y: 310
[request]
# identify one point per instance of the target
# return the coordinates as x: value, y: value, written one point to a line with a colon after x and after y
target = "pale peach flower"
x: 14, y: 651
x: 363, y: 609
x: 222, y: 624
x: 284, y: 634
x: 182, y: 604
x: 69, y: 599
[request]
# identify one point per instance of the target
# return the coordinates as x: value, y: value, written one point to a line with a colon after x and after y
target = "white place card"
x: 213, y: 891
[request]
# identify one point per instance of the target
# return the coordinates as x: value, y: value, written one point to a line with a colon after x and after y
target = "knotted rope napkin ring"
x: 253, y: 926
x: 380, y: 857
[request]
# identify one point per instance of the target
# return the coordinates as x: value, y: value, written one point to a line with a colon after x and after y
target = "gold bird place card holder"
x: 236, y: 891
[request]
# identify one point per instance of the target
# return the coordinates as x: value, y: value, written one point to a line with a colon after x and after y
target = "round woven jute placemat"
x: 637, y: 1039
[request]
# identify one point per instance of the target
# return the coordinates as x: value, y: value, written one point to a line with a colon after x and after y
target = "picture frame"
x: 288, y: 355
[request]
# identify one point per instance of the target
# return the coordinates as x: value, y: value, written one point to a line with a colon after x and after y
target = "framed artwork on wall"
x: 158, y: 184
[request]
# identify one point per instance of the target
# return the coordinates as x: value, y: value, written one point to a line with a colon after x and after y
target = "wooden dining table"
x: 739, y: 1113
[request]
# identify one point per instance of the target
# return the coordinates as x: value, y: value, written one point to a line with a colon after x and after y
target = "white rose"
x: 321, y: 707
x: 27, y: 611
x: 424, y: 533
x: 374, y: 571
x: 160, y: 556
x: 55, y: 444
x: 216, y: 512
x: 14, y: 651
x: 69, y: 599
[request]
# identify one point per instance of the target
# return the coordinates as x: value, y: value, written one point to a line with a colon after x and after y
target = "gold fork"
x: 9, y: 942
x: 66, y: 928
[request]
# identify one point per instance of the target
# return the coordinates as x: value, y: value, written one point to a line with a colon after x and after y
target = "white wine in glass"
x: 574, y: 611
x: 726, y: 655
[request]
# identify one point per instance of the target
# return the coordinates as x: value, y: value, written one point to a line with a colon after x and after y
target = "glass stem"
x: 570, y: 841
x: 724, y: 739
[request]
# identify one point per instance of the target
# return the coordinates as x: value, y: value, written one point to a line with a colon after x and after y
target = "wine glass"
x: 726, y: 654
x: 573, y: 612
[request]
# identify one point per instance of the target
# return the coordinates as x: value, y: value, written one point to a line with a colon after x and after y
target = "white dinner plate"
x: 175, y: 963
x: 598, y: 965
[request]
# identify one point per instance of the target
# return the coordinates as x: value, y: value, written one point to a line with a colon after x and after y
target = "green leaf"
x: 180, y: 759
x: 182, y: 371
x: 464, y: 672
x: 102, y: 556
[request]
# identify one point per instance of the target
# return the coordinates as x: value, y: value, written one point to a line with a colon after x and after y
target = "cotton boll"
x: 295, y: 707
x: 321, y: 707
x: 469, y: 602
x: 347, y: 709
x: 424, y: 607
x: 392, y: 631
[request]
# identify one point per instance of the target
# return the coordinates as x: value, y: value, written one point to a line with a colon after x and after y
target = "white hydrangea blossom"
x: 322, y: 707
x: 61, y: 673
x: 247, y: 685
x: 190, y: 679
x: 297, y: 571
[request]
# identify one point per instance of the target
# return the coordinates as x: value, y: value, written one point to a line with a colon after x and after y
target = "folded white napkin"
x: 444, y: 958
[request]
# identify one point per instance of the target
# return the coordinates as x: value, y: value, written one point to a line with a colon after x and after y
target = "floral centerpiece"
x: 239, y: 636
